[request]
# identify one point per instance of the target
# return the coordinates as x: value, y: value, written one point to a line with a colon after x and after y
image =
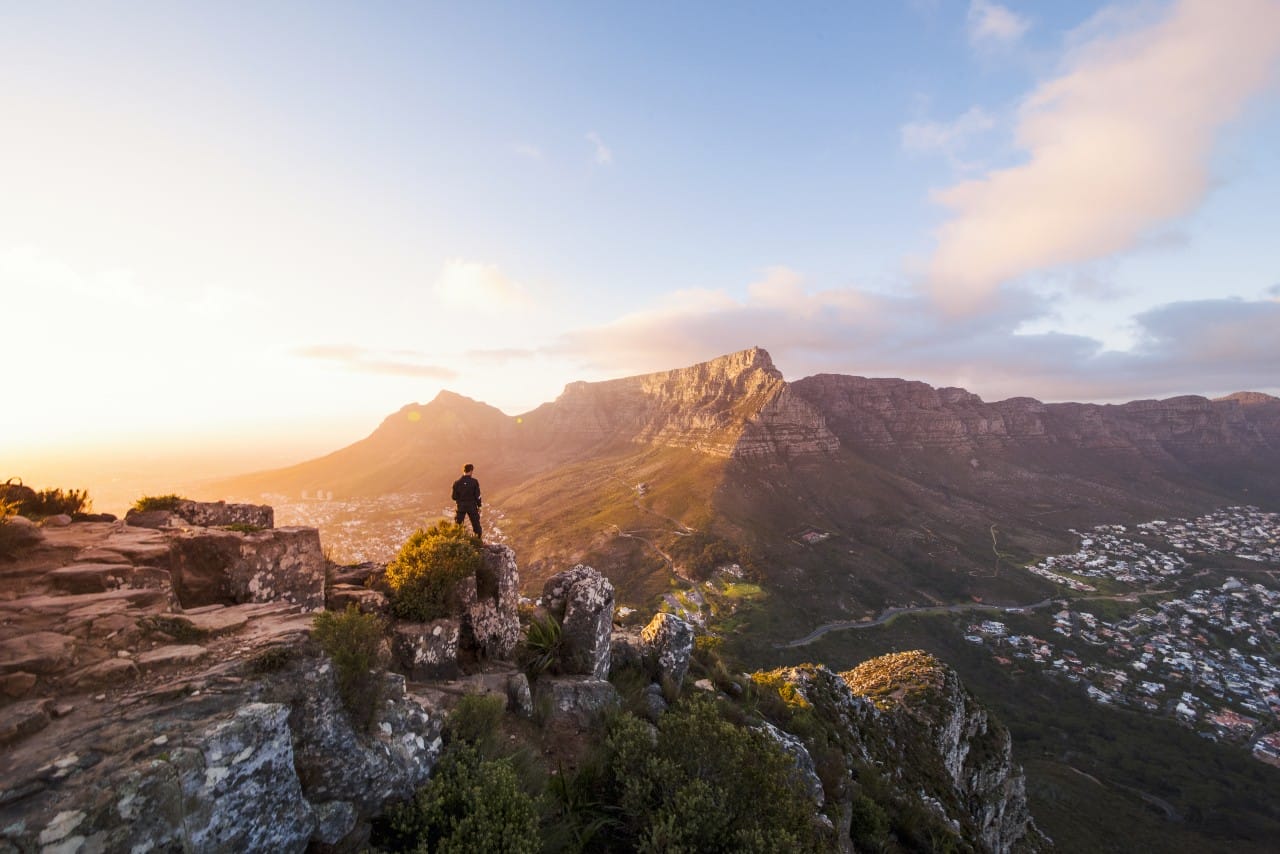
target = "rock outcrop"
x: 581, y: 600
x: 667, y: 647
x: 213, y: 567
x: 128, y: 722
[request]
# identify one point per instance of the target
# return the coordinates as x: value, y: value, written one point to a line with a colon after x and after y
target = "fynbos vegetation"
x: 424, y: 575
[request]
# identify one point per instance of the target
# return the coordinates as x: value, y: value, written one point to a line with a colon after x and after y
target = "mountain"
x: 927, y: 494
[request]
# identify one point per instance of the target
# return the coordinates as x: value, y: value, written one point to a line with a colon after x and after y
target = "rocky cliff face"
x: 905, y: 415
x: 734, y: 406
x: 907, y: 717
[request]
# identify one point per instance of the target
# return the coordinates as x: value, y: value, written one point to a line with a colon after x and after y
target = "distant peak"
x: 1248, y: 398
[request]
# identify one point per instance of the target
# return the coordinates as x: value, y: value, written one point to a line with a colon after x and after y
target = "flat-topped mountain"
x: 907, y: 479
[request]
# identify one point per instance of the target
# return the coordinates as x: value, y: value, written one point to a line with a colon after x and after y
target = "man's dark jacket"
x: 466, y: 491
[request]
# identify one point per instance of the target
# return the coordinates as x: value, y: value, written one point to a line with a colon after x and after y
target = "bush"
x: 354, y: 641
x: 427, y: 570
x: 542, y: 645
x: 475, y: 720
x: 705, y: 784
x: 158, y: 502
x: 40, y: 504
x: 469, y: 805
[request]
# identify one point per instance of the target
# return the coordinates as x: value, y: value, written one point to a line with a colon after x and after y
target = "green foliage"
x: 700, y: 554
x: 243, y: 528
x: 469, y: 805
x: 427, y: 570
x: 542, y: 644
x: 354, y: 641
x: 40, y: 504
x: 704, y: 784
x: 869, y: 827
x: 158, y: 502
x: 475, y: 721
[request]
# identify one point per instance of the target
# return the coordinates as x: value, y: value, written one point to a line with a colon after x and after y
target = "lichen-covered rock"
x: 573, y: 701
x: 225, y: 567
x: 582, y: 600
x: 210, y: 514
x: 427, y: 650
x: 337, y: 764
x: 248, y: 770
x: 491, y: 625
x: 667, y: 647
x: 519, y: 697
x: 153, y: 519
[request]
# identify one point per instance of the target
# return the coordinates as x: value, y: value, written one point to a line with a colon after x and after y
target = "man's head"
x: 468, y: 468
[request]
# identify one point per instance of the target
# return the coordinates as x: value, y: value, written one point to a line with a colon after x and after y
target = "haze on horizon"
x: 247, y: 233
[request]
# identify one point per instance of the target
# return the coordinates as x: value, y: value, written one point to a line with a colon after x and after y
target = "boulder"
x: 519, y: 697
x: 667, y: 647
x: 573, y: 701
x: 106, y: 674
x: 652, y: 703
x: 211, y: 514
x: 492, y: 621
x: 225, y: 567
x: 582, y: 600
x: 625, y: 650
x: 22, y: 531
x: 427, y: 650
x: 153, y: 519
x: 57, y: 520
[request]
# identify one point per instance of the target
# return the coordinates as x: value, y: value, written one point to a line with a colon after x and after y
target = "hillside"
x: 849, y: 493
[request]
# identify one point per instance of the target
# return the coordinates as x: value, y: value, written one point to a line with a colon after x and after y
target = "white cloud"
x: 1200, y: 347
x: 482, y: 287
x: 990, y: 24
x: 1118, y: 145
x: 947, y: 138
x: 603, y: 155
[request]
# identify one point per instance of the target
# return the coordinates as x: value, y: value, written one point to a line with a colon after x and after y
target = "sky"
x: 247, y: 232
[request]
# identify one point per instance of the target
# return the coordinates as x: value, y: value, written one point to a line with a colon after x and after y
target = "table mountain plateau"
x: 927, y: 494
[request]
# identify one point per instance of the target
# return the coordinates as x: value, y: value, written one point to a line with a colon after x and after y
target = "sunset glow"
x: 247, y: 233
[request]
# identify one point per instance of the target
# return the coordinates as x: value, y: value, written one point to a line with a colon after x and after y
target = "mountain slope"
x: 928, y: 495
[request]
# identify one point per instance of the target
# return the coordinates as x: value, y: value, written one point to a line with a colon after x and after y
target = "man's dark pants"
x: 471, y: 512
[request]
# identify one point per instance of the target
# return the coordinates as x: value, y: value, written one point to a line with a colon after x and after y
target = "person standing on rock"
x: 466, y: 491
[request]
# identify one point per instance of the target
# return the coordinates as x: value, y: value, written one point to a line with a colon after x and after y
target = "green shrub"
x: 869, y: 827
x: 475, y: 720
x: 427, y: 570
x: 543, y: 643
x: 469, y: 805
x: 40, y: 504
x: 354, y: 641
x: 158, y: 502
x: 704, y: 784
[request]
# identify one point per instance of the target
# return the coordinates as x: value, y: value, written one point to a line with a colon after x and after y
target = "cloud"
x: 947, y: 138
x: 365, y: 361
x: 1206, y: 347
x: 1118, y: 145
x: 480, y: 286
x: 603, y: 154
x: 992, y: 25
